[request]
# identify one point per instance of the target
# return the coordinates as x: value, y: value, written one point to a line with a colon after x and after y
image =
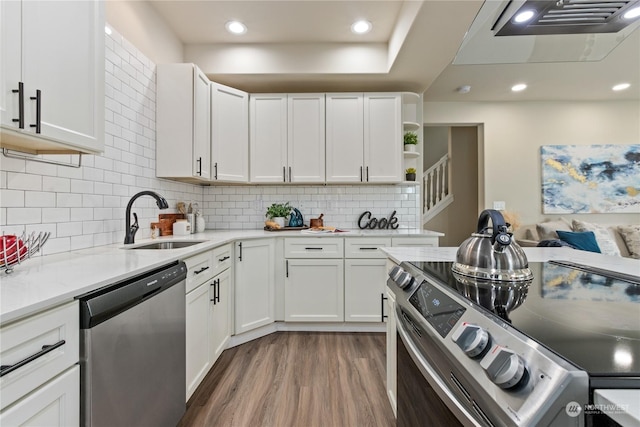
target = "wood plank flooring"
x: 296, y: 379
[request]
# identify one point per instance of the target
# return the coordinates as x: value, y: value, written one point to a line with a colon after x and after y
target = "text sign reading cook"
x: 367, y: 221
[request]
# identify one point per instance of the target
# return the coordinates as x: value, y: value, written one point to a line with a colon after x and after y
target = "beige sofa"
x: 619, y: 240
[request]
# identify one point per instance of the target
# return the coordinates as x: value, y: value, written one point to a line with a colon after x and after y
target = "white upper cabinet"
x: 364, y: 137
x: 345, y: 137
x: 183, y: 132
x: 229, y: 134
x: 287, y: 138
x: 306, y: 142
x: 268, y: 137
x: 52, y: 76
x: 383, y: 137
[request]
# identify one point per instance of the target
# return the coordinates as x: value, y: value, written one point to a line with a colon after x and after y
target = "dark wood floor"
x: 296, y: 379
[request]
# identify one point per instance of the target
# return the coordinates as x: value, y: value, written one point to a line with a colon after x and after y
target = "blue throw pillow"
x: 585, y: 241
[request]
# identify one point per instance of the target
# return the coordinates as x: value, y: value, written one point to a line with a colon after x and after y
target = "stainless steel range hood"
x: 488, y: 40
x: 565, y: 17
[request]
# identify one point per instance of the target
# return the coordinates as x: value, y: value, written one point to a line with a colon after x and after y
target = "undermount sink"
x: 166, y: 245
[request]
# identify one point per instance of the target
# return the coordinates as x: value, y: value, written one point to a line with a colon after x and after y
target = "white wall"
x: 514, y: 133
x: 140, y: 24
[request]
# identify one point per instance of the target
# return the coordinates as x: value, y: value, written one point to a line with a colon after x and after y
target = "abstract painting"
x: 590, y: 179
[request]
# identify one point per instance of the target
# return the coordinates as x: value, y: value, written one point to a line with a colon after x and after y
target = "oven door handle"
x: 447, y: 396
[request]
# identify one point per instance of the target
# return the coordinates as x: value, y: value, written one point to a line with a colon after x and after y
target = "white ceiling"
x: 306, y: 45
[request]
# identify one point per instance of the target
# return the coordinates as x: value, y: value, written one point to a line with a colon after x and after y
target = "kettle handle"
x: 499, y: 226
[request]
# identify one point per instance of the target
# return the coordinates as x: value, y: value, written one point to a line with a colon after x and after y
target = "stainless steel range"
x: 513, y: 354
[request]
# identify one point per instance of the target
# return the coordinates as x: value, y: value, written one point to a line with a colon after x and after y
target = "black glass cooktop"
x: 591, y: 318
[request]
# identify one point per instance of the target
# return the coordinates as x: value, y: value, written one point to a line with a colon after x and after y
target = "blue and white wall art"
x: 590, y: 179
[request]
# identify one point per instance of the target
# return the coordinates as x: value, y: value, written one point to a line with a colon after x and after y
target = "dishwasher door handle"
x: 5, y: 369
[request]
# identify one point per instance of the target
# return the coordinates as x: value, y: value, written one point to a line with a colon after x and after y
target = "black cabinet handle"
x: 287, y: 268
x: 382, y: 300
x: 215, y: 168
x: 213, y: 300
x: 201, y: 270
x: 313, y: 249
x: 240, y: 257
x: 38, y: 99
x: 284, y: 174
x: 223, y: 259
x: 360, y: 173
x: 20, y: 92
x: 199, y: 166
x: 368, y: 249
x: 5, y: 369
x: 289, y: 173
x: 218, y: 294
x: 367, y: 173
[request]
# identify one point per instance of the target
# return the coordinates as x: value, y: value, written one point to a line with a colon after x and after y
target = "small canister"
x: 181, y: 227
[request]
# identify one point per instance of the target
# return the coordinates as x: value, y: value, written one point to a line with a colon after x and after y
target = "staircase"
x: 436, y: 190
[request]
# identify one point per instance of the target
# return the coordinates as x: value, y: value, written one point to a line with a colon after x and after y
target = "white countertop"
x: 623, y: 406
x: 46, y: 281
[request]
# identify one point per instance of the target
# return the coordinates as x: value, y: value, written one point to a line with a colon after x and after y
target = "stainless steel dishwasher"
x: 132, y: 351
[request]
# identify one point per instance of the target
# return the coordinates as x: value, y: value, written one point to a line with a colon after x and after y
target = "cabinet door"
x: 314, y: 290
x: 183, y: 134
x: 364, y: 284
x: 391, y: 351
x: 63, y: 57
x: 306, y: 142
x: 229, y: 133
x: 57, y: 403
x: 197, y: 336
x: 201, y: 125
x: 220, y: 323
x: 10, y: 61
x: 383, y: 137
x: 345, y: 137
x: 254, y: 284
x: 268, y: 137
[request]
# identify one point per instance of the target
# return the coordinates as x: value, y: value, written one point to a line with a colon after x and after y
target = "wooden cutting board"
x: 165, y: 223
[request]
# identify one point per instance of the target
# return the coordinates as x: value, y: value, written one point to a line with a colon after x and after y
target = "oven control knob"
x: 395, y: 273
x: 404, y: 280
x: 472, y: 339
x: 503, y: 367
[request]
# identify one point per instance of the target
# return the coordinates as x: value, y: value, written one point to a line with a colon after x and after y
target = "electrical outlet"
x: 499, y: 205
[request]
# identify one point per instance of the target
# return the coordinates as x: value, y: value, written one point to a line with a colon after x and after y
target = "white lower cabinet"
x: 197, y: 337
x: 57, y: 403
x: 364, y: 286
x: 220, y: 319
x: 392, y: 352
x: 314, y: 290
x: 254, y: 284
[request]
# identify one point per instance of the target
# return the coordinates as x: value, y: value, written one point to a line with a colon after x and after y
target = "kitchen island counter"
x: 46, y: 281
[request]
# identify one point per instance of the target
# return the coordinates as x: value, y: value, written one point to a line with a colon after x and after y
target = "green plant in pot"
x: 410, y: 174
x: 278, y: 212
x: 410, y: 141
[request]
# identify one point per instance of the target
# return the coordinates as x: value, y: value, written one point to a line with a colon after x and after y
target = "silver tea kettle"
x: 490, y: 253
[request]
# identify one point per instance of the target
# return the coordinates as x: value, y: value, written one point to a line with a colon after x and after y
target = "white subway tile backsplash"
x: 12, y: 198
x: 38, y: 199
x: 23, y: 181
x: 16, y: 216
x: 56, y: 214
x: 56, y: 184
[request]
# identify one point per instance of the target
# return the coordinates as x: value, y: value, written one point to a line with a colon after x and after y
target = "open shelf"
x: 411, y: 154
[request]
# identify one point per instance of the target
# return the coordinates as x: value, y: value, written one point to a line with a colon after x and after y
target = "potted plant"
x: 410, y: 141
x: 410, y: 174
x: 278, y: 212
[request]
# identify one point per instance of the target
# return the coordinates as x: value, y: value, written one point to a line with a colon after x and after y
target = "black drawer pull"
x: 368, y: 249
x: 223, y: 259
x: 5, y: 369
x: 313, y: 249
x: 201, y: 270
x: 382, y: 300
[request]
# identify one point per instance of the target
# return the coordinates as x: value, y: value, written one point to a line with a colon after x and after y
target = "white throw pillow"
x: 631, y: 236
x: 547, y: 230
x: 605, y: 239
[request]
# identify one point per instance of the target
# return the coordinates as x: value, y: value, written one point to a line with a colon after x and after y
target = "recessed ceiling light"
x: 621, y: 86
x: 361, y: 27
x: 519, y: 87
x: 236, y: 27
x: 107, y: 30
x: 632, y: 13
x: 524, y: 16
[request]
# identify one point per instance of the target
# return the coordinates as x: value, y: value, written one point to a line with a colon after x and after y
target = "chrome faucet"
x: 130, y: 230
